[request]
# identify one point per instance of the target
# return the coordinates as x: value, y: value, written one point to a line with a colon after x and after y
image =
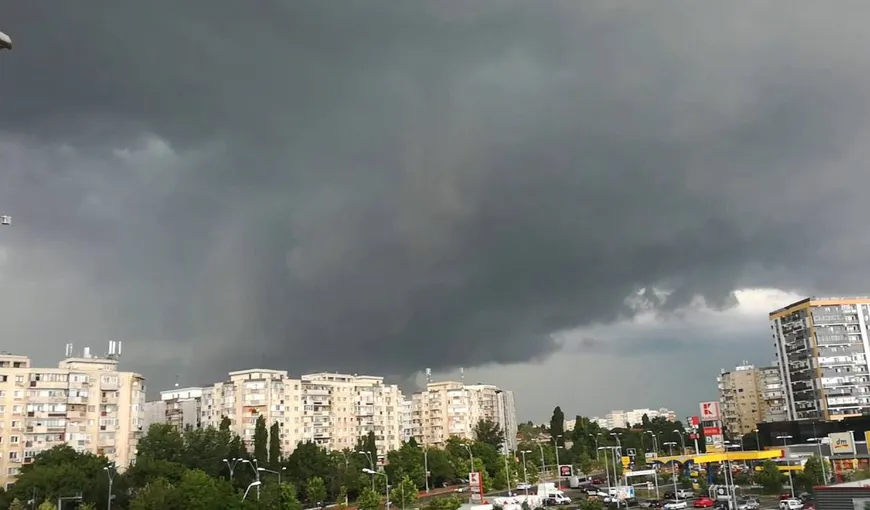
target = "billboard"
x: 715, y: 443
x: 710, y: 411
x: 712, y: 431
x: 565, y: 471
x: 842, y: 443
x: 695, y: 421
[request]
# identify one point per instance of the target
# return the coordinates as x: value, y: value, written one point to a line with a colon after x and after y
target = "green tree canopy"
x: 275, y: 445
x: 489, y: 432
x: 261, y: 439
x: 557, y: 426
x: 315, y: 490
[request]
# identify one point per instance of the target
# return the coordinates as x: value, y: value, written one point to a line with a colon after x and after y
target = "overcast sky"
x: 594, y: 204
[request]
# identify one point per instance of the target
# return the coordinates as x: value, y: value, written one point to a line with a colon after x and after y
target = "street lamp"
x: 255, y: 483
x: 757, y: 439
x: 231, y: 464
x: 470, y: 457
x: 386, y: 479
x: 110, y: 472
x: 597, y: 453
x: 619, y: 445
x: 556, y: 449
x: 525, y: 472
x: 255, y: 468
x: 788, y: 464
x: 368, y: 456
x: 606, y: 467
x: 425, y: 466
x: 682, y: 440
x: 818, y: 441
x: 671, y: 445
x: 507, y: 471
x: 264, y: 470
x: 655, y: 442
x: 5, y: 42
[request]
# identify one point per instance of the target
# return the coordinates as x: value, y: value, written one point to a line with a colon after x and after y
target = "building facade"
x: 749, y: 395
x: 626, y: 419
x: 85, y: 402
x: 822, y: 348
x: 451, y: 409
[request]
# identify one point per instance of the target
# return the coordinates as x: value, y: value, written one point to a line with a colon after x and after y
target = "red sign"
x: 565, y: 471
x: 693, y: 436
x: 712, y: 431
x: 695, y: 421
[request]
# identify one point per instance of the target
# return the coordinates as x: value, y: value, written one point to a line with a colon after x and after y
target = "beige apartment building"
x: 85, y: 402
x: 329, y: 409
x: 452, y: 409
x: 748, y: 396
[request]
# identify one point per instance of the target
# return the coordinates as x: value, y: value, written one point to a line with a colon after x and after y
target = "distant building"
x: 625, y: 419
x: 748, y: 396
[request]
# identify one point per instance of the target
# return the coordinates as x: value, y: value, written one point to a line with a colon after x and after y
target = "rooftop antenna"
x: 69, y: 350
x: 428, y: 376
x: 462, y: 374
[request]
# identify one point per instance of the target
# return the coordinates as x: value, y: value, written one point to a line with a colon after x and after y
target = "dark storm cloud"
x: 382, y: 186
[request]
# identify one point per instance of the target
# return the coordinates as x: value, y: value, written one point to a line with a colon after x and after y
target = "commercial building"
x: 822, y: 348
x: 452, y: 409
x: 85, y: 402
x: 750, y: 395
x: 626, y: 419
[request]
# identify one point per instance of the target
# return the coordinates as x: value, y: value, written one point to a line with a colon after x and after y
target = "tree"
x: 590, y: 504
x: 308, y: 461
x: 261, y: 438
x: 16, y: 505
x: 198, y: 491
x: 47, y: 505
x: 275, y: 445
x: 162, y: 441
x: 87, y: 506
x: 812, y: 474
x: 405, y: 494
x: 487, y: 431
x: 449, y: 503
x: 368, y: 499
x: 341, y: 500
x: 770, y: 478
x: 157, y: 495
x: 557, y: 426
x: 315, y: 490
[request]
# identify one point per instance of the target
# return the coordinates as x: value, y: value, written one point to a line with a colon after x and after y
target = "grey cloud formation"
x: 383, y: 186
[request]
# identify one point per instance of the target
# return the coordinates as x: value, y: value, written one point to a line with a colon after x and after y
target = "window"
x: 13, y: 440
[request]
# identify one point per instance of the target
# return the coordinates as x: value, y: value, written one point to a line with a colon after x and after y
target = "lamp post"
x: 788, y: 464
x: 110, y: 472
x: 655, y: 442
x: 255, y: 483
x: 386, y: 479
x: 619, y: 445
x: 425, y: 466
x: 543, y: 462
x: 255, y: 468
x: 231, y: 465
x: 682, y: 440
x: 558, y: 471
x: 368, y: 456
x: 525, y: 472
x: 818, y: 441
x: 670, y: 445
x: 606, y: 467
x: 470, y: 457
x: 507, y: 471
x: 757, y: 439
x: 597, y: 452
x: 264, y: 470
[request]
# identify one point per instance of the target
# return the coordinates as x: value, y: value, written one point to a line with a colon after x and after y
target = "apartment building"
x: 772, y: 400
x: 452, y: 409
x: 625, y: 419
x: 85, y: 402
x: 822, y: 351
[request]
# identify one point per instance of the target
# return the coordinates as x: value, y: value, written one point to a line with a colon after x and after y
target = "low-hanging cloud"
x: 381, y: 187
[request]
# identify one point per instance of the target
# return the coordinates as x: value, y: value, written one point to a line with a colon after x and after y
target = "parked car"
x: 675, y: 505
x: 558, y: 499
x: 703, y: 502
x: 651, y: 503
x: 790, y: 504
x: 524, y: 486
x: 685, y: 494
x: 597, y: 481
x: 670, y: 495
x: 749, y: 503
x: 784, y: 496
x: 622, y: 503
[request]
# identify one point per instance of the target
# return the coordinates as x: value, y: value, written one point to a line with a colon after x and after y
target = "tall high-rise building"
x: 822, y: 348
x: 85, y: 402
x: 452, y: 409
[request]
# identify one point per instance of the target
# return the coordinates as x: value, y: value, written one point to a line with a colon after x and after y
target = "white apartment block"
x: 623, y: 419
x: 331, y: 410
x: 452, y: 409
x: 85, y: 402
